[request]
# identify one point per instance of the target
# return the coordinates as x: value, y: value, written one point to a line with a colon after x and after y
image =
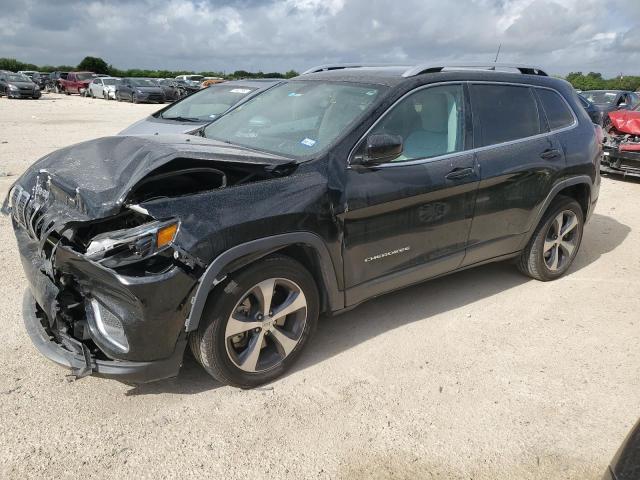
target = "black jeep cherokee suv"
x: 332, y: 188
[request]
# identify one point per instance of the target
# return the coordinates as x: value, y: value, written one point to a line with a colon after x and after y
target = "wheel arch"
x: 578, y: 188
x: 305, y: 247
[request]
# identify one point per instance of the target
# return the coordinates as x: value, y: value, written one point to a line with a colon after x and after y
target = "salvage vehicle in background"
x: 191, y: 80
x: 103, y: 87
x: 76, y: 82
x: 186, y: 88
x: 17, y: 85
x: 138, y: 90
x: 322, y: 192
x: 53, y: 83
x: 195, y: 111
x: 611, y: 100
x: 622, y: 143
x: 41, y: 79
x: 595, y: 114
x: 169, y: 88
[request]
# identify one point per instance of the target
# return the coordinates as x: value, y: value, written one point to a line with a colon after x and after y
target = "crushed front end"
x: 107, y: 297
x: 622, y: 144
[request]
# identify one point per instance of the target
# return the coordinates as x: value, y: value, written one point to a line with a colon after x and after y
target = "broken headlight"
x: 122, y: 247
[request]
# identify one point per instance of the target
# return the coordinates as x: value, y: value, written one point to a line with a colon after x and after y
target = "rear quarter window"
x: 503, y: 113
x: 557, y: 110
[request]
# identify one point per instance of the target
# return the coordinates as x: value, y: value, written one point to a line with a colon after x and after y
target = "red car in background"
x: 76, y: 82
x: 622, y: 143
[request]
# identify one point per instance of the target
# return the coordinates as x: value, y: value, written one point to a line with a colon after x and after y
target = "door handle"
x: 549, y: 154
x: 458, y: 173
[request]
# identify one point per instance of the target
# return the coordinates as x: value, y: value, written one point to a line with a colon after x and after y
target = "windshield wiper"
x: 181, y: 119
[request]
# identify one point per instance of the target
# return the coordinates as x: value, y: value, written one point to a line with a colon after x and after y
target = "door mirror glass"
x: 382, y: 148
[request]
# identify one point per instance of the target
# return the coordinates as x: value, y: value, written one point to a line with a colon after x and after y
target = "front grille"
x: 19, y: 203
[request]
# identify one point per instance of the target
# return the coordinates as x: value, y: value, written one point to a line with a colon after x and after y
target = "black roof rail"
x: 341, y: 66
x: 430, y: 68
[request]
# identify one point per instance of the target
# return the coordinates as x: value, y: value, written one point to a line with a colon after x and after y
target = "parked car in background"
x: 322, y: 192
x: 17, y: 85
x: 595, y: 114
x: 77, y: 82
x: 625, y: 464
x: 138, y: 90
x: 191, y: 80
x: 169, y: 88
x: 41, y: 79
x: 28, y: 73
x: 53, y: 83
x: 185, y: 87
x: 622, y: 143
x: 195, y: 111
x: 103, y: 87
x: 611, y: 100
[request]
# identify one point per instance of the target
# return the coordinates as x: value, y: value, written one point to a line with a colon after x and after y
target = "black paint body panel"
x: 372, y: 230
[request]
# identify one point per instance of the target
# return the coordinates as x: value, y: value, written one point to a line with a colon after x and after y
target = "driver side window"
x: 430, y: 122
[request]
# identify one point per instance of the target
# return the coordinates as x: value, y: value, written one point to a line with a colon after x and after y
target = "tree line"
x: 590, y: 81
x: 595, y: 81
x: 98, y: 65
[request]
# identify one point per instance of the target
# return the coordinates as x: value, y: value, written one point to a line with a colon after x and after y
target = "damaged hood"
x: 98, y: 175
x: 626, y: 121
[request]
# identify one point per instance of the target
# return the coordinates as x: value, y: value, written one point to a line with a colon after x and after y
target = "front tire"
x: 255, y: 325
x: 555, y: 242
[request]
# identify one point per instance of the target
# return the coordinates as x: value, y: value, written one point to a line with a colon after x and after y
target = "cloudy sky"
x: 272, y: 35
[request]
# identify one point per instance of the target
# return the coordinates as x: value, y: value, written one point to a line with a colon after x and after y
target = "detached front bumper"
x: 75, y: 356
x: 621, y: 162
x: 70, y: 315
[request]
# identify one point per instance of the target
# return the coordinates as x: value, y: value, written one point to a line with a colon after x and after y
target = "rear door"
x: 519, y: 159
x: 409, y: 219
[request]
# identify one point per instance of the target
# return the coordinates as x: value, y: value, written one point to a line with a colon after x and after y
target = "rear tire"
x: 555, y: 242
x: 241, y: 338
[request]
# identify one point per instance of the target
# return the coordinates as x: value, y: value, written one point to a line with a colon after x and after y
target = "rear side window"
x: 503, y: 113
x: 558, y: 113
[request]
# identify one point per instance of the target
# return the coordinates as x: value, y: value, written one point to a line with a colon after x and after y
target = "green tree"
x: 94, y: 64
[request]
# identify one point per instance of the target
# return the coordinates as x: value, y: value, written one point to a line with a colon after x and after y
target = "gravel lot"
x: 483, y: 374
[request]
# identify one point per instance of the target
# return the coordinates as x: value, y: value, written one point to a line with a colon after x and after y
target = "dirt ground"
x: 484, y: 374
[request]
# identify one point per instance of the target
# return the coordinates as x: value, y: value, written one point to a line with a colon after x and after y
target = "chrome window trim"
x: 419, y: 161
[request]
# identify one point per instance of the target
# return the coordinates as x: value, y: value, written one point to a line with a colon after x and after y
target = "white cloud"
x: 561, y: 35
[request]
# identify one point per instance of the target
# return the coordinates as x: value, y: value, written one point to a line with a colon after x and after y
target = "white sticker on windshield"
x: 240, y: 90
x: 213, y: 116
x: 372, y: 92
x: 308, y: 142
x: 294, y: 94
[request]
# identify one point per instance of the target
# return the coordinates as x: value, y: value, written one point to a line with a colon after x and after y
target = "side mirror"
x: 382, y: 148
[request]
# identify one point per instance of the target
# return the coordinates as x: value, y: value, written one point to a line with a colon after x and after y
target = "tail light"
x: 599, y: 134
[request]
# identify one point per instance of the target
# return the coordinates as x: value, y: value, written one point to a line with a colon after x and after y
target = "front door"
x: 409, y: 219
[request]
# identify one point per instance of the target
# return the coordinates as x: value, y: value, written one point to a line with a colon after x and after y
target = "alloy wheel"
x: 266, y: 325
x: 561, y: 240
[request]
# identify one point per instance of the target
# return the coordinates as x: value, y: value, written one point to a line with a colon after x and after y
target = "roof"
x: 391, y: 75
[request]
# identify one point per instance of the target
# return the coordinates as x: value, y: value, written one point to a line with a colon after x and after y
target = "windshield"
x: 18, y: 78
x: 109, y: 81
x: 297, y: 118
x: 142, y: 82
x: 207, y: 104
x: 601, y: 97
x: 84, y: 76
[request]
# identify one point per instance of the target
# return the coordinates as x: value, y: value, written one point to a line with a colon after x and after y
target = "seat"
x: 433, y: 138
